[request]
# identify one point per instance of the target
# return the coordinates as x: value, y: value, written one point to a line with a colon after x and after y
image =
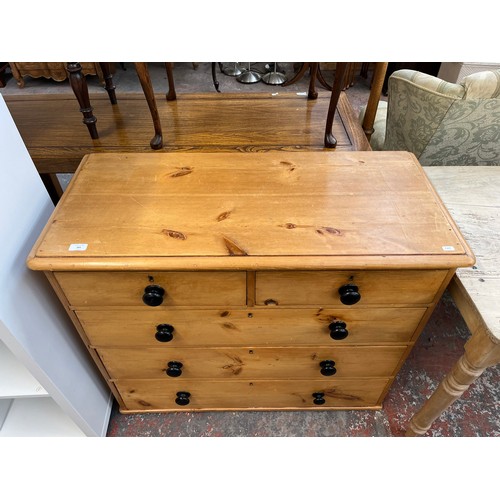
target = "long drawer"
x: 322, y: 287
x: 158, y: 395
x: 179, y: 288
x: 254, y: 362
x: 256, y: 326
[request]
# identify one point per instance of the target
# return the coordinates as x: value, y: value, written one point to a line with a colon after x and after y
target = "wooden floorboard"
x: 52, y: 129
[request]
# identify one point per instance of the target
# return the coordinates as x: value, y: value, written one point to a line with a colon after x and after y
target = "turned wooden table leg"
x: 338, y: 85
x: 171, y: 95
x: 79, y: 86
x: 312, y: 94
x: 108, y: 79
x: 375, y: 92
x: 481, y: 351
x: 147, y: 87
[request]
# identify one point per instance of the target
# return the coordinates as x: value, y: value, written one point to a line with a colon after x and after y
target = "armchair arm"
x: 482, y: 85
x: 417, y: 103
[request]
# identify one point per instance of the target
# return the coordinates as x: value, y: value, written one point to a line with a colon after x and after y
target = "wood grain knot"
x: 232, y: 247
x: 230, y: 326
x: 329, y: 230
x: 182, y: 171
x: 223, y: 216
x: 174, y: 234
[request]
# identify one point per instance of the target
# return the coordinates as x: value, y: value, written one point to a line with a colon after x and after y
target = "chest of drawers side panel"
x: 81, y: 331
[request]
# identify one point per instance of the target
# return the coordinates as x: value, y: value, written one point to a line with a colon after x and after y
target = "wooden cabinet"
x: 217, y: 281
x: 53, y: 70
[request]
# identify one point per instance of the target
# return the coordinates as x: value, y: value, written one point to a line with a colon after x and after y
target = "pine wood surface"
x: 319, y: 287
x: 57, y: 140
x: 226, y: 232
x: 252, y: 326
x: 143, y: 394
x: 471, y: 196
x: 226, y: 210
x: 181, y: 288
x: 253, y: 362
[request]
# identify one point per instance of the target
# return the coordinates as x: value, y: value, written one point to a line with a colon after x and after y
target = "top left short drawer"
x: 184, y: 288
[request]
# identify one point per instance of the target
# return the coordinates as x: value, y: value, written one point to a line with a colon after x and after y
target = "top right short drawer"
x: 348, y: 288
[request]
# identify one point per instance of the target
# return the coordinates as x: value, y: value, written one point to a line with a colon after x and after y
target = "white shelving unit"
x: 26, y: 408
x: 49, y: 386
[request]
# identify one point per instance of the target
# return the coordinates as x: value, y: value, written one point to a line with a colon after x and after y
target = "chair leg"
x: 374, y: 98
x: 108, y: 79
x: 79, y: 86
x: 338, y: 85
x: 171, y: 95
x: 147, y: 87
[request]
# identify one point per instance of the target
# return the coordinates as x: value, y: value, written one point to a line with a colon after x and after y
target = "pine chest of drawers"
x: 217, y: 281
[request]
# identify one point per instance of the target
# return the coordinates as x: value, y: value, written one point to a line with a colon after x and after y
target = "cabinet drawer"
x: 256, y: 326
x: 322, y: 287
x: 155, y: 395
x: 253, y: 362
x: 128, y: 288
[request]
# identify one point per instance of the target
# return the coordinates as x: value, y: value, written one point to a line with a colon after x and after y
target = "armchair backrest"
x: 445, y: 123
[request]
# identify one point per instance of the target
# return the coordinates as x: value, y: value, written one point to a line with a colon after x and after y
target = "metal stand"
x: 249, y: 76
x: 273, y: 77
x: 234, y: 70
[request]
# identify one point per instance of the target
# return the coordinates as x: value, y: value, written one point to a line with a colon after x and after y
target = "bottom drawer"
x: 172, y: 395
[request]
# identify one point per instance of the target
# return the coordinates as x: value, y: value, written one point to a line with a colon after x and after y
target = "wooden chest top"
x: 200, y: 211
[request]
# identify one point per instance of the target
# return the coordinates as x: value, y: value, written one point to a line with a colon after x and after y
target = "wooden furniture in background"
x: 316, y: 74
x: 48, y: 383
x: 270, y: 280
x: 79, y: 86
x: 54, y: 70
x: 371, y: 109
x: 238, y: 122
x: 3, y: 67
x: 470, y: 193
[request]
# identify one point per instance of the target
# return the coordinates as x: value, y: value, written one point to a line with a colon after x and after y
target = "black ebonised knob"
x: 182, y: 398
x: 338, y: 330
x: 164, y: 332
x: 349, y: 294
x: 153, y: 295
x: 319, y: 398
x: 328, y: 368
x: 174, y: 369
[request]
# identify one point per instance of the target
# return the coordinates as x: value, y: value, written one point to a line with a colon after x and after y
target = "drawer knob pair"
x: 328, y: 368
x: 174, y: 369
x: 338, y: 330
x: 182, y: 398
x: 164, y: 332
x: 318, y: 398
x: 153, y: 295
x: 349, y: 294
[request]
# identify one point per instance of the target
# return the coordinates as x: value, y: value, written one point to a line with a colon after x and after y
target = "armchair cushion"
x: 442, y: 123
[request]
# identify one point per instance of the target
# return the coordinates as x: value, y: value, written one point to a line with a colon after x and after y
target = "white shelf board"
x: 15, y: 379
x: 38, y: 417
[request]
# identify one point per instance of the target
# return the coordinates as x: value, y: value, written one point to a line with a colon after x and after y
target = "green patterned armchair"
x: 441, y: 123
